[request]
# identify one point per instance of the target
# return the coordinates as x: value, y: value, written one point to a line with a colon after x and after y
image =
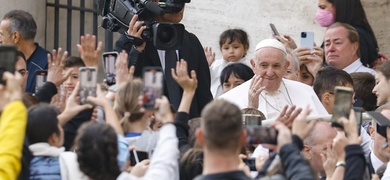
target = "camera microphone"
x: 153, y: 7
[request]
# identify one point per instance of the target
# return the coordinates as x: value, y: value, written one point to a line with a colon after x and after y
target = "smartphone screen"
x: 40, y: 79
x: 251, y: 119
x: 109, y: 60
x: 359, y: 117
x: 274, y: 31
x: 153, y: 85
x: 342, y: 104
x: 307, y: 40
x: 88, y: 80
x: 251, y: 163
x: 261, y: 135
x: 7, y: 60
x: 137, y: 156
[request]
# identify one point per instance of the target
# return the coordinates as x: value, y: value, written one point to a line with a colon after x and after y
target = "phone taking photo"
x: 88, y: 83
x: 342, y: 104
x: 40, y: 79
x: 261, y: 135
x: 7, y: 60
x: 109, y: 60
x: 307, y: 40
x: 274, y: 31
x: 153, y: 78
x: 359, y: 117
x: 137, y: 156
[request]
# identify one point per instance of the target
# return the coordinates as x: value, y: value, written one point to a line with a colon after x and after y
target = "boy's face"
x: 72, y: 80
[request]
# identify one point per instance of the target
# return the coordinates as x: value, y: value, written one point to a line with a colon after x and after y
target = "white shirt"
x: 289, y: 93
x: 375, y: 161
x: 161, y: 55
x: 164, y: 162
x: 357, y: 66
x: 215, y: 74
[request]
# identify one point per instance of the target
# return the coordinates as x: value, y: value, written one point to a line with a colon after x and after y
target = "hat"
x: 271, y: 43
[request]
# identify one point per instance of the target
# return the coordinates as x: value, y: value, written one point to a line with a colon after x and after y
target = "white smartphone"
x: 88, y: 82
x: 307, y: 39
x: 109, y: 60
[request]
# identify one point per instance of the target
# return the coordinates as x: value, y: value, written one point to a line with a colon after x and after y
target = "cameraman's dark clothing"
x: 191, y: 51
x: 231, y: 175
x: 71, y: 127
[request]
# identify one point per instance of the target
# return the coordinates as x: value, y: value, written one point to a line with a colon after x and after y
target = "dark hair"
x: 222, y: 126
x: 384, y: 69
x: 23, y: 22
x: 239, y: 70
x: 97, y: 149
x: 21, y: 54
x: 363, y: 83
x: 29, y: 100
x: 73, y: 61
x: 234, y: 34
x: 38, y: 116
x: 352, y: 12
x: 329, y: 77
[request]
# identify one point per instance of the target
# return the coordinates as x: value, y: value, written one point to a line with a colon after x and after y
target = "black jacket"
x: 295, y: 166
x: 191, y: 51
x: 355, y: 162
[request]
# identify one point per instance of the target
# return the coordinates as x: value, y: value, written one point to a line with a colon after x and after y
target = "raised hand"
x: 189, y: 84
x: 54, y: 71
x: 12, y: 91
x: 210, y: 55
x: 287, y: 41
x: 122, y: 72
x: 88, y: 50
x: 300, y: 126
x: 163, y: 113
x: 288, y: 115
x: 254, y: 92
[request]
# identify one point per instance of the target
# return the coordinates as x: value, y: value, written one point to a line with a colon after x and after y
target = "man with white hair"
x: 268, y: 91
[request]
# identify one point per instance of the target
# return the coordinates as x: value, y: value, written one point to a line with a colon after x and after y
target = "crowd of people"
x: 196, y: 128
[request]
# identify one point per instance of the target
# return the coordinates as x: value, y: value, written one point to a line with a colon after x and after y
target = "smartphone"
x: 359, y: 118
x: 342, y: 104
x: 153, y: 78
x: 261, y: 135
x: 274, y: 31
x: 307, y: 40
x: 109, y: 60
x: 251, y: 163
x: 251, y: 119
x: 137, y: 156
x: 40, y: 79
x: 7, y: 60
x: 88, y: 81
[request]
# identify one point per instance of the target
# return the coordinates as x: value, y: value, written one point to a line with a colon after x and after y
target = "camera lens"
x: 303, y: 34
x: 166, y: 34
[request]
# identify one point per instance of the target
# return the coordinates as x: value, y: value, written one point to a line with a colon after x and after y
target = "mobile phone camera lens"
x: 303, y: 34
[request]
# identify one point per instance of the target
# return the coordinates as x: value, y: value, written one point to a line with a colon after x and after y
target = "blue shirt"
x: 37, y: 61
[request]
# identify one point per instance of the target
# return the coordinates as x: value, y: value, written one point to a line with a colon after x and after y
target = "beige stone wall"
x: 207, y: 19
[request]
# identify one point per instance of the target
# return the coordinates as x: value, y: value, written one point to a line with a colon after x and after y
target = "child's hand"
x: 210, y: 55
x: 54, y: 70
x: 122, y: 72
x: 163, y: 113
x: 88, y: 50
x: 100, y: 99
x: 181, y: 77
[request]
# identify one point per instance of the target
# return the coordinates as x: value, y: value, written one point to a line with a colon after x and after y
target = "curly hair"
x: 97, y: 149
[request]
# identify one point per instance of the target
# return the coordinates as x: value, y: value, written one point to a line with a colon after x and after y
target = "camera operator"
x: 191, y: 51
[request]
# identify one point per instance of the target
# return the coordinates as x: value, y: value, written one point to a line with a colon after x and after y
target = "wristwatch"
x: 342, y: 164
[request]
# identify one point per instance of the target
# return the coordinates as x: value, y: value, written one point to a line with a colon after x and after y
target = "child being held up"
x: 234, y: 45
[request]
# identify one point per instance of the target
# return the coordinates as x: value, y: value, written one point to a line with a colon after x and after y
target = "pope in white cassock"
x: 267, y: 90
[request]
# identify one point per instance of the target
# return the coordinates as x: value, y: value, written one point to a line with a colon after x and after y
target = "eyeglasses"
x: 22, y: 72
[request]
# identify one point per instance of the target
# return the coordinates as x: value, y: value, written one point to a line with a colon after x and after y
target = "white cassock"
x: 271, y: 104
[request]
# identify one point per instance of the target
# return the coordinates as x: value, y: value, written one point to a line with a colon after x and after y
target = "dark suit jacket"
x: 191, y: 51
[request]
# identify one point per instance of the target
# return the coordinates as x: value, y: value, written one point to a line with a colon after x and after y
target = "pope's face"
x: 271, y: 64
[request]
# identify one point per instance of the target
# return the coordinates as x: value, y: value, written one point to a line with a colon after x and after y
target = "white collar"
x: 354, y: 67
x: 375, y: 161
x: 44, y: 149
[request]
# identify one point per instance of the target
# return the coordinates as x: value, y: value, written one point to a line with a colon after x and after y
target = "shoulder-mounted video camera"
x: 117, y: 15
